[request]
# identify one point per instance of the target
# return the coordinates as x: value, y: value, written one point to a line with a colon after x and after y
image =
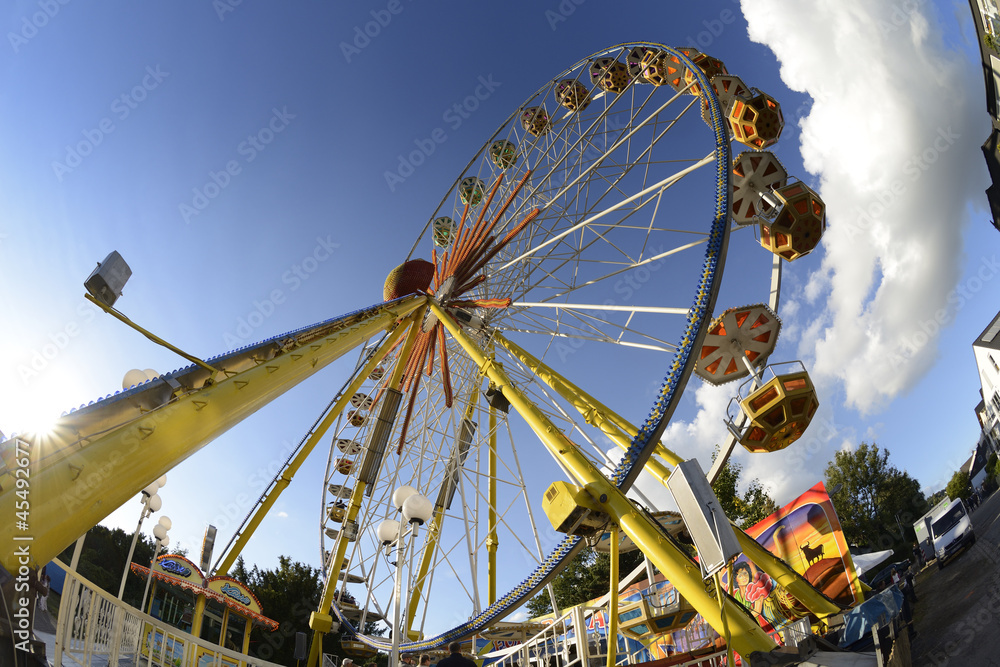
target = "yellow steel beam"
x: 85, y: 486
x: 492, y: 543
x: 621, y: 432
x: 682, y: 572
x: 433, y: 537
x: 607, y: 420
x: 594, y: 412
x: 612, y: 629
x: 319, y: 620
x: 293, y: 466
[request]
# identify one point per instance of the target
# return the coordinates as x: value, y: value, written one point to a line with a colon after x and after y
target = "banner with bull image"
x: 807, y: 535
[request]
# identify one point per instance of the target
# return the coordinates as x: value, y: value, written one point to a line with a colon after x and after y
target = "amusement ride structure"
x: 560, y: 298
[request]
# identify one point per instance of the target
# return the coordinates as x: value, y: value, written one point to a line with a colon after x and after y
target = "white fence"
x: 96, y: 629
x: 560, y: 645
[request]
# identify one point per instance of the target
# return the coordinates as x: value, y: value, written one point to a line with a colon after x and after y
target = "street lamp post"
x: 162, y: 540
x: 416, y: 509
x: 151, y: 502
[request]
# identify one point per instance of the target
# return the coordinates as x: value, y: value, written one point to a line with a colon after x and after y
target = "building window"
x: 993, y: 361
x: 996, y: 401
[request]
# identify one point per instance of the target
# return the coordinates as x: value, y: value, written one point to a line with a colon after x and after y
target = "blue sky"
x: 247, y: 161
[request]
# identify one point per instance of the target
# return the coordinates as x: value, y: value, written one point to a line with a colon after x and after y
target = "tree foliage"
x: 102, y: 561
x: 876, y: 502
x: 991, y: 465
x: 960, y: 486
x: 288, y: 593
x: 586, y: 577
x: 747, y: 509
x: 937, y: 497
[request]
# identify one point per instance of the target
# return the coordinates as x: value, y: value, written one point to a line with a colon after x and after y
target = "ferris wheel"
x: 573, y: 271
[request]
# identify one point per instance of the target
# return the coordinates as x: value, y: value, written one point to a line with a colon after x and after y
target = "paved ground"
x: 957, y: 615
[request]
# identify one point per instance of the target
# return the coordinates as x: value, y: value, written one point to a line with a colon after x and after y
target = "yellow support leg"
x: 433, y: 536
x: 612, y: 627
x: 491, y: 541
x: 621, y: 432
x: 684, y: 574
x: 304, y: 452
x: 199, y: 614
x: 594, y: 412
x: 321, y: 619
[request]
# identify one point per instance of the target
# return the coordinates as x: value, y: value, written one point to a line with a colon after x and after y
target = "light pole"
x: 151, y: 502
x: 416, y: 509
x: 162, y: 540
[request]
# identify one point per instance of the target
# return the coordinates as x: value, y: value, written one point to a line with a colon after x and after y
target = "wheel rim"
x: 599, y: 175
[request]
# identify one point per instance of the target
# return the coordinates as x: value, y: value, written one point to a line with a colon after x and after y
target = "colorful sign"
x: 179, y: 567
x: 235, y: 591
x: 173, y: 567
x: 807, y: 535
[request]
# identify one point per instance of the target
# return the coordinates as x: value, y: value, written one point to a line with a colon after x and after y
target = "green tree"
x: 586, y: 577
x: 288, y: 594
x: 876, y: 502
x: 991, y: 465
x: 960, y: 486
x: 102, y: 561
x: 747, y: 509
x: 936, y: 498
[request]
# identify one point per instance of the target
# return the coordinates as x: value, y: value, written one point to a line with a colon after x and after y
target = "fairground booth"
x: 219, y: 610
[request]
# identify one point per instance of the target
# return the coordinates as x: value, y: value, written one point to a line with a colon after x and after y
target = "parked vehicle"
x: 951, y: 531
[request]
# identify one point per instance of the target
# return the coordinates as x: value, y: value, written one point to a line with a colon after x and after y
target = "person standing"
x: 43, y: 590
x: 456, y: 659
x: 425, y: 661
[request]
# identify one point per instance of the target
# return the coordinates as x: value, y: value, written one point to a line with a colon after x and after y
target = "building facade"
x: 986, y: 18
x: 986, y: 349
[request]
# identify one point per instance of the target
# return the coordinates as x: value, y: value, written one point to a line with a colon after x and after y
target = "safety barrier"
x: 560, y: 645
x: 96, y: 629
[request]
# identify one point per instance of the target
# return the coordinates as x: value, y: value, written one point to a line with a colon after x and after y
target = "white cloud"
x: 282, y: 515
x: 892, y: 136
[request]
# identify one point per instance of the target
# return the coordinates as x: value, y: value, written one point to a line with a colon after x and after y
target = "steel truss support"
x: 621, y: 432
x: 321, y: 620
x: 293, y: 466
x: 683, y: 573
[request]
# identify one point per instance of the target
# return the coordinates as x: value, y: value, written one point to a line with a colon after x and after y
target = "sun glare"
x: 36, y: 409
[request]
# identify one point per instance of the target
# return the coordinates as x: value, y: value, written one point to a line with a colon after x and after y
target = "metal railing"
x: 561, y: 644
x: 96, y: 629
x: 558, y: 641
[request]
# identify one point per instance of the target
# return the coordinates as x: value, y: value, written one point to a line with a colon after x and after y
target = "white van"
x: 951, y: 531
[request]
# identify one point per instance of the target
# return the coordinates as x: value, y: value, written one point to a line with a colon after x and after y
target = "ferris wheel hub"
x: 411, y: 276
